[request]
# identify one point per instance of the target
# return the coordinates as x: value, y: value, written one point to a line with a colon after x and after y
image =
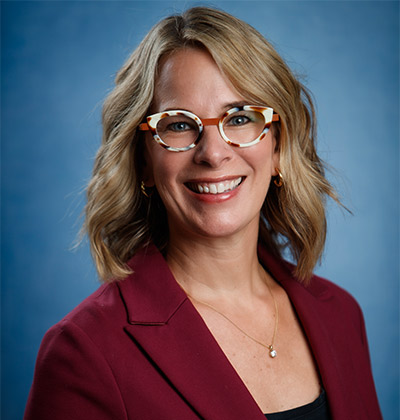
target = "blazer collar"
x: 151, y: 294
x: 181, y: 345
x: 174, y: 336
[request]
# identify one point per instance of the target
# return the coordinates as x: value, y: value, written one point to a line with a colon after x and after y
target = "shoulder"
x: 319, y: 296
x: 74, y: 373
x: 97, y: 309
x: 326, y: 289
x: 317, y: 287
x: 330, y: 294
x: 339, y: 301
x: 82, y: 344
x: 88, y: 324
x: 334, y: 306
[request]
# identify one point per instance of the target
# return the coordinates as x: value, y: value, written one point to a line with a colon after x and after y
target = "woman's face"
x: 190, y: 80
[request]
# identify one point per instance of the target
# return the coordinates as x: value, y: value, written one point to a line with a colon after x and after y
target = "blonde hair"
x: 120, y: 219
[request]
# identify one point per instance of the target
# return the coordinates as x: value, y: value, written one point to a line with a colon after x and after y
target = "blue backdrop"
x: 58, y: 63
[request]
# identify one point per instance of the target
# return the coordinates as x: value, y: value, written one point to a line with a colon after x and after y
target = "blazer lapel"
x: 169, y: 329
x: 313, y: 306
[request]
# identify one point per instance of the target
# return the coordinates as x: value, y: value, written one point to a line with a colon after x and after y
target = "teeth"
x: 217, y: 188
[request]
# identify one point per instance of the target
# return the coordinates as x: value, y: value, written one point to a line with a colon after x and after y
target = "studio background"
x: 58, y: 61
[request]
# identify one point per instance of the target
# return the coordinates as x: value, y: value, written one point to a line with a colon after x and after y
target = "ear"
x: 275, y: 156
x: 147, y: 165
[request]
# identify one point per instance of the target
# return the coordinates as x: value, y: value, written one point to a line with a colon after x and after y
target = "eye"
x: 238, y: 120
x: 178, y: 127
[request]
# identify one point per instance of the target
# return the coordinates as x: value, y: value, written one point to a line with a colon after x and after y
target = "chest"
x: 289, y: 380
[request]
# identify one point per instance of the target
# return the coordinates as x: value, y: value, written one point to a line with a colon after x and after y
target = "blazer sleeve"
x: 72, y: 379
x: 362, y: 381
x: 367, y: 377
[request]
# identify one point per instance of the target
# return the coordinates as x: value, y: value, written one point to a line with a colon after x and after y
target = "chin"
x: 223, y: 228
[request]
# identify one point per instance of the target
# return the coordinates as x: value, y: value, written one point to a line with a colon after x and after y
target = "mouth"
x: 214, y: 187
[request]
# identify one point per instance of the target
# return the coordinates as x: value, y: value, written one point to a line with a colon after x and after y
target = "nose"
x: 212, y: 150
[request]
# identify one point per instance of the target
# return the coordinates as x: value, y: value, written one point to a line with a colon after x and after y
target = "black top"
x: 317, y: 410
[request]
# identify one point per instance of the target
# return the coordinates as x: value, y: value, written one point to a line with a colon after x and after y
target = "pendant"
x: 272, y: 352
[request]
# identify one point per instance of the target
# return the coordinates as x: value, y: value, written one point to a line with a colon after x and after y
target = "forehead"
x: 190, y: 79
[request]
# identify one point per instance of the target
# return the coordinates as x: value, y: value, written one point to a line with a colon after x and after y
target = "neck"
x: 226, y: 268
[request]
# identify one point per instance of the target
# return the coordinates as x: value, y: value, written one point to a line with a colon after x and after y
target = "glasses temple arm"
x: 144, y: 127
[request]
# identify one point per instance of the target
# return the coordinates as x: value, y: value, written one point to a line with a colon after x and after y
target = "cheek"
x: 156, y: 160
x: 147, y: 163
x: 163, y: 174
x: 272, y: 156
x: 262, y: 159
x: 165, y: 166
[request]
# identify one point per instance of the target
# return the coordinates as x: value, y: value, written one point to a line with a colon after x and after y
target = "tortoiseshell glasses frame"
x: 179, y: 131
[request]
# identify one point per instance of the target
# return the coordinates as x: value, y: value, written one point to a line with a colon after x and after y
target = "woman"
x: 207, y: 170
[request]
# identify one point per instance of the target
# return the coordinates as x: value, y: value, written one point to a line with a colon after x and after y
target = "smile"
x: 214, y: 188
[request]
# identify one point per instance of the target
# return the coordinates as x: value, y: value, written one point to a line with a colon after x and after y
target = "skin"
x: 213, y: 239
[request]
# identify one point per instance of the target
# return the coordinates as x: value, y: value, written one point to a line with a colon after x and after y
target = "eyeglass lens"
x: 240, y: 127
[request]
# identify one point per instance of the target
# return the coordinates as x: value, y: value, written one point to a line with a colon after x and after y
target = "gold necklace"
x: 272, y: 351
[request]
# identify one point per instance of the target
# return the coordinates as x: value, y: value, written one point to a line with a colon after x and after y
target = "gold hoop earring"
x: 143, y: 189
x: 278, y: 182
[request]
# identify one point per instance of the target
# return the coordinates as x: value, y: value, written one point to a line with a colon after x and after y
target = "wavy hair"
x: 120, y: 220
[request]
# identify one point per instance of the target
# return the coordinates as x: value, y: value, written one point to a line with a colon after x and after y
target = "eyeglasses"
x: 179, y: 131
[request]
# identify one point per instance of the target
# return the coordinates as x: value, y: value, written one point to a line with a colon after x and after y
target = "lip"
x: 214, y: 197
x: 214, y: 180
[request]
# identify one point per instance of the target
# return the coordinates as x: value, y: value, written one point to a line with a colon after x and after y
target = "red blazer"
x: 138, y: 349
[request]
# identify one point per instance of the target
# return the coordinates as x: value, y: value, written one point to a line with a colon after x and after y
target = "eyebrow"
x: 224, y: 107
x: 236, y: 104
